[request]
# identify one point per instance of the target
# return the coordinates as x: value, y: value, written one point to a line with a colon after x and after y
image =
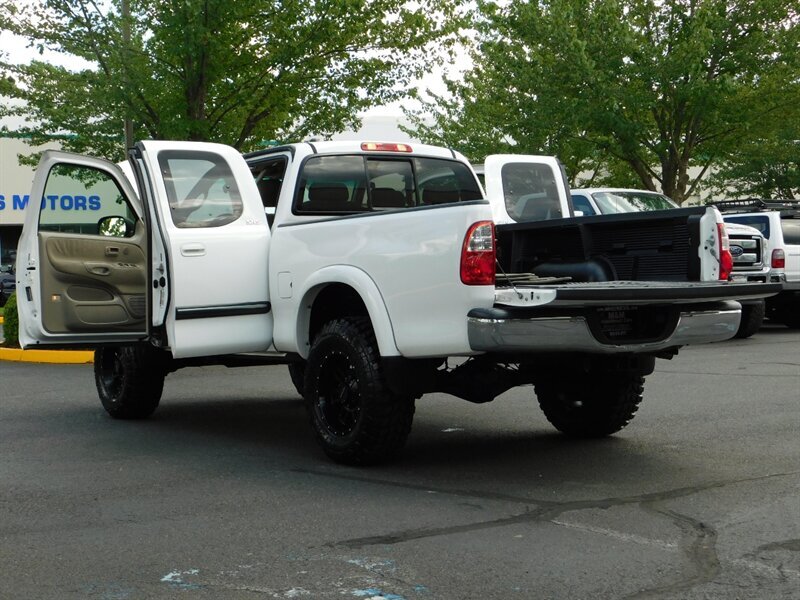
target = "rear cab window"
x: 349, y: 184
x: 760, y: 222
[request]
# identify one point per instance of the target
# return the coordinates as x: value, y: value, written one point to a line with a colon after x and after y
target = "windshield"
x: 623, y: 202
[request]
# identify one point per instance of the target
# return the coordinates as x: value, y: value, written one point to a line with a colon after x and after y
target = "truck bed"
x: 652, y: 246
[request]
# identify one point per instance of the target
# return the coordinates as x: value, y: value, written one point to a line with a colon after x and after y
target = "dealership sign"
x: 74, y: 208
x: 65, y: 202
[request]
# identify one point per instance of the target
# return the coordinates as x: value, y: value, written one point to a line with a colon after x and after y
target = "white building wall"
x: 15, y: 180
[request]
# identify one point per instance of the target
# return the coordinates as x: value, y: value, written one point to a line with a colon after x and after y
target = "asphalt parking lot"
x: 224, y: 494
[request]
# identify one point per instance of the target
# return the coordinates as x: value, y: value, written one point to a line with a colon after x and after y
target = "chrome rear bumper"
x: 573, y: 334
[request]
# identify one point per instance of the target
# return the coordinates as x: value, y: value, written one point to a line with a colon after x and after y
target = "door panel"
x: 92, y: 283
x: 83, y: 256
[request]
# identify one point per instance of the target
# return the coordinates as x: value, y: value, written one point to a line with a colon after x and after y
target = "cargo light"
x: 478, y: 255
x: 385, y: 147
x: 725, y: 257
x: 778, y: 259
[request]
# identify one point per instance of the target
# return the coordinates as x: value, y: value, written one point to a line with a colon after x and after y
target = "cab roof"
x: 355, y: 146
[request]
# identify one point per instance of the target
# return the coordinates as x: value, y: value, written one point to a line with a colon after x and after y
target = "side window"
x: 443, y: 181
x: 791, y: 231
x: 582, y: 204
x: 84, y: 200
x: 530, y: 192
x: 201, y: 189
x: 332, y: 184
x: 269, y: 180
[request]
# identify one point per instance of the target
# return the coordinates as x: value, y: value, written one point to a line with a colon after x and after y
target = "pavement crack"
x: 791, y: 545
x: 484, y: 495
x: 700, y: 547
x: 431, y: 532
x: 545, y: 511
x: 747, y: 375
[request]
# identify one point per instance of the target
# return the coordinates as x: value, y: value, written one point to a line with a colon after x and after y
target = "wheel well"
x: 335, y: 301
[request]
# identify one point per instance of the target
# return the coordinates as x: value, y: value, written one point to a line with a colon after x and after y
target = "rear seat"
x: 433, y: 195
x: 387, y: 198
x: 328, y: 197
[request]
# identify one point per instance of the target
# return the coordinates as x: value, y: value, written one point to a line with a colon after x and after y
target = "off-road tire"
x: 297, y: 373
x: 356, y: 418
x: 591, y: 406
x: 129, y: 380
x: 752, y: 319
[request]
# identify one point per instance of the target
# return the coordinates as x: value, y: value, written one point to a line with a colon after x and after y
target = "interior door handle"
x: 193, y: 250
x: 102, y: 270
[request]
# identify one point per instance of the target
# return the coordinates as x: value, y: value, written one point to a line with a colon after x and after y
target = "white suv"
x: 779, y: 222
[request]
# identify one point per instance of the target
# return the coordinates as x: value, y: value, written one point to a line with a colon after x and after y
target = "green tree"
x: 659, y: 87
x: 766, y: 167
x: 11, y: 324
x: 233, y: 71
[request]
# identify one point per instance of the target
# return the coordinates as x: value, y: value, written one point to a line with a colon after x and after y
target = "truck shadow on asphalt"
x: 277, y: 431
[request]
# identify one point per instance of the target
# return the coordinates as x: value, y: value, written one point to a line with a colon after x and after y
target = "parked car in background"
x: 751, y: 263
x: 606, y: 201
x: 8, y: 285
x: 779, y: 223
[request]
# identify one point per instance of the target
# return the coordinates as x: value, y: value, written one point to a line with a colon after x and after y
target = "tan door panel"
x: 92, y: 283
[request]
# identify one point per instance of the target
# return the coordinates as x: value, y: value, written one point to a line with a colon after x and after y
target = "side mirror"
x: 114, y: 227
x: 579, y: 213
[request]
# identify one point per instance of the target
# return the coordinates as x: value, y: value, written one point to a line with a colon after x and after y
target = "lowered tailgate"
x: 610, y: 317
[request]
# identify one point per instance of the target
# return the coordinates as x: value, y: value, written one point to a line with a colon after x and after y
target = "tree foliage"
x: 11, y: 322
x: 765, y: 167
x: 622, y: 88
x: 233, y: 71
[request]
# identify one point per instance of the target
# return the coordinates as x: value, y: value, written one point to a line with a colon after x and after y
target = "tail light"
x: 778, y: 259
x: 725, y: 257
x: 478, y: 255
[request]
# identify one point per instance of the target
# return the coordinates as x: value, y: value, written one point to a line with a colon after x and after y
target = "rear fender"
x: 365, y: 287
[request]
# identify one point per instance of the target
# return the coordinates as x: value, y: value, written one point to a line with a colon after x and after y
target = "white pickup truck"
x: 379, y: 272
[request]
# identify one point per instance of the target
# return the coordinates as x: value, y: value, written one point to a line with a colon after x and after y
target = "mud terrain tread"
x: 591, y: 407
x: 133, y: 390
x: 385, y: 418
